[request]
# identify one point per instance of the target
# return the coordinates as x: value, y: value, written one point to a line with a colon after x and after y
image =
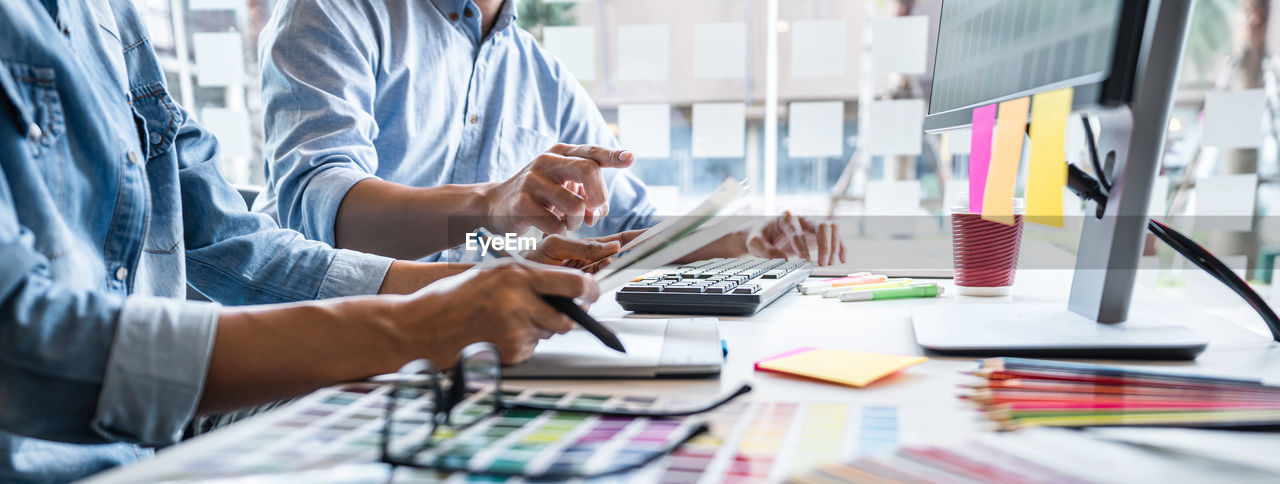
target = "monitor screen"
x: 993, y: 50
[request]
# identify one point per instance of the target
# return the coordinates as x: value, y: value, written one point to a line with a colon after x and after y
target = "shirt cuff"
x: 354, y: 274
x: 156, y: 369
x: 321, y: 199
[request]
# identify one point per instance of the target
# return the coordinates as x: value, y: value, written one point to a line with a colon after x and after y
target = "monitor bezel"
x: 1115, y: 89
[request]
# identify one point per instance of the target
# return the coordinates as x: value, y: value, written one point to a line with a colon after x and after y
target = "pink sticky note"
x: 984, y: 120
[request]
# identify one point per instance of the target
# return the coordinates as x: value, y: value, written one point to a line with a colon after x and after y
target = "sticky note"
x: 1006, y: 154
x: 1047, y: 171
x: 231, y: 127
x: 815, y: 129
x: 1225, y: 202
x: 219, y: 58
x: 895, y: 127
x: 852, y: 368
x: 644, y: 52
x: 645, y: 129
x: 984, y: 120
x: 719, y: 130
x: 575, y: 47
x: 1233, y: 119
x: 818, y: 48
x: 899, y: 45
x: 719, y: 50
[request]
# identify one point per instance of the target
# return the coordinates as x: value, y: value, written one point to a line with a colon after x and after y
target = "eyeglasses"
x: 423, y: 400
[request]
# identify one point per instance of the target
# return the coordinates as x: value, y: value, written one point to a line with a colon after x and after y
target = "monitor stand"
x: 1040, y: 330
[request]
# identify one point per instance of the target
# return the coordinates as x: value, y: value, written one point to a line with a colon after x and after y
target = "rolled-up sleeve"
x: 318, y: 89
x: 156, y: 369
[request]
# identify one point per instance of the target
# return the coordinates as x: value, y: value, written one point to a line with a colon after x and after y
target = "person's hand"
x: 590, y: 255
x: 558, y: 191
x: 789, y: 236
x: 499, y: 302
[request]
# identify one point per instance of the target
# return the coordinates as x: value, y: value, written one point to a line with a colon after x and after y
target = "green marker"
x: 931, y: 290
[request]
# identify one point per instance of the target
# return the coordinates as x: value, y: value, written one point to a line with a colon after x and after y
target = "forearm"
x: 732, y: 245
x: 405, y: 277
x: 394, y: 220
x: 267, y: 353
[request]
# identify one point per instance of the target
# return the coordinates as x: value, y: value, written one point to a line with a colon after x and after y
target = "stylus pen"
x: 568, y: 307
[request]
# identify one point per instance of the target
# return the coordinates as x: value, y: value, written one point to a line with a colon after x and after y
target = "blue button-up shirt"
x: 410, y: 92
x: 110, y: 199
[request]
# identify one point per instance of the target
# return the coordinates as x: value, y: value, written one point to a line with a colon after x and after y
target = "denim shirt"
x: 409, y: 92
x: 110, y: 199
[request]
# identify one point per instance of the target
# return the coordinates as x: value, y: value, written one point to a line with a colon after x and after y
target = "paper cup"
x: 985, y: 253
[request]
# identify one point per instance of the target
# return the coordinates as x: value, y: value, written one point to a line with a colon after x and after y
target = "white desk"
x: 926, y: 392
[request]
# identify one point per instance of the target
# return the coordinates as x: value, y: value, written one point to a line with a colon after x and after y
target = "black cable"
x: 1098, y: 171
x: 1097, y: 190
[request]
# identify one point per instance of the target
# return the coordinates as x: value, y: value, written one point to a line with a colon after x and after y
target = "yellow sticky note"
x: 1011, y: 126
x: 852, y: 368
x: 1047, y: 171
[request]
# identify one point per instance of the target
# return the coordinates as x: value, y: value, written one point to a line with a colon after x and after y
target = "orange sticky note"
x: 1011, y: 127
x: 852, y: 368
x: 1047, y: 170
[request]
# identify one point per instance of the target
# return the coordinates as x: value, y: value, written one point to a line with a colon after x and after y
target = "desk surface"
x: 928, y: 390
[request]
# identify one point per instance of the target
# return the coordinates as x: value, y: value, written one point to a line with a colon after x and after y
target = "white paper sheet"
x: 1225, y: 202
x: 899, y: 45
x: 719, y: 50
x: 645, y: 129
x: 1204, y: 290
x: 1233, y: 119
x: 643, y: 52
x: 895, y: 127
x: 719, y: 130
x: 232, y: 130
x: 816, y: 129
x: 818, y: 48
x: 575, y: 47
x: 219, y: 58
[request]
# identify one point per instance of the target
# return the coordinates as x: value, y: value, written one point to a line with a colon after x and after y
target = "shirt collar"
x: 506, y: 14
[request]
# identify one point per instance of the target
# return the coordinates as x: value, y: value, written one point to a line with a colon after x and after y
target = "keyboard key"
x: 747, y: 289
x: 682, y: 289
x: 641, y: 288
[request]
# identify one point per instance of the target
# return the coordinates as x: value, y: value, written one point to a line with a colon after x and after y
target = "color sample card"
x: 1225, y: 202
x: 895, y: 127
x: 332, y: 435
x: 815, y: 129
x: 852, y: 368
x: 1047, y: 171
x: 984, y: 121
x: 719, y: 130
x: 899, y: 45
x: 575, y: 47
x: 818, y: 48
x: 644, y: 52
x: 219, y: 58
x: 1233, y: 119
x: 1006, y: 155
x: 645, y: 129
x: 719, y: 51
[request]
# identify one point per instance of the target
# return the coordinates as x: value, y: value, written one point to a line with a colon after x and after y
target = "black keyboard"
x: 726, y: 287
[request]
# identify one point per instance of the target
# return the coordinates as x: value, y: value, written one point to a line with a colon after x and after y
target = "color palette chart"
x: 333, y: 435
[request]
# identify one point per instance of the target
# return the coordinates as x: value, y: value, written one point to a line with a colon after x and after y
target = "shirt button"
x: 121, y: 273
x: 34, y: 132
x: 133, y: 160
x: 453, y: 16
x: 156, y: 138
x: 474, y: 119
x: 467, y: 13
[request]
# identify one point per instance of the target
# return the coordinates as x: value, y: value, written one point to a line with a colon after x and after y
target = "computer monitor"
x: 1122, y: 59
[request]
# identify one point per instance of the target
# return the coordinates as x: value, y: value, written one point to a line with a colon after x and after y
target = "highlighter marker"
x: 811, y: 287
x: 872, y: 279
x: 891, y: 283
x: 931, y: 290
